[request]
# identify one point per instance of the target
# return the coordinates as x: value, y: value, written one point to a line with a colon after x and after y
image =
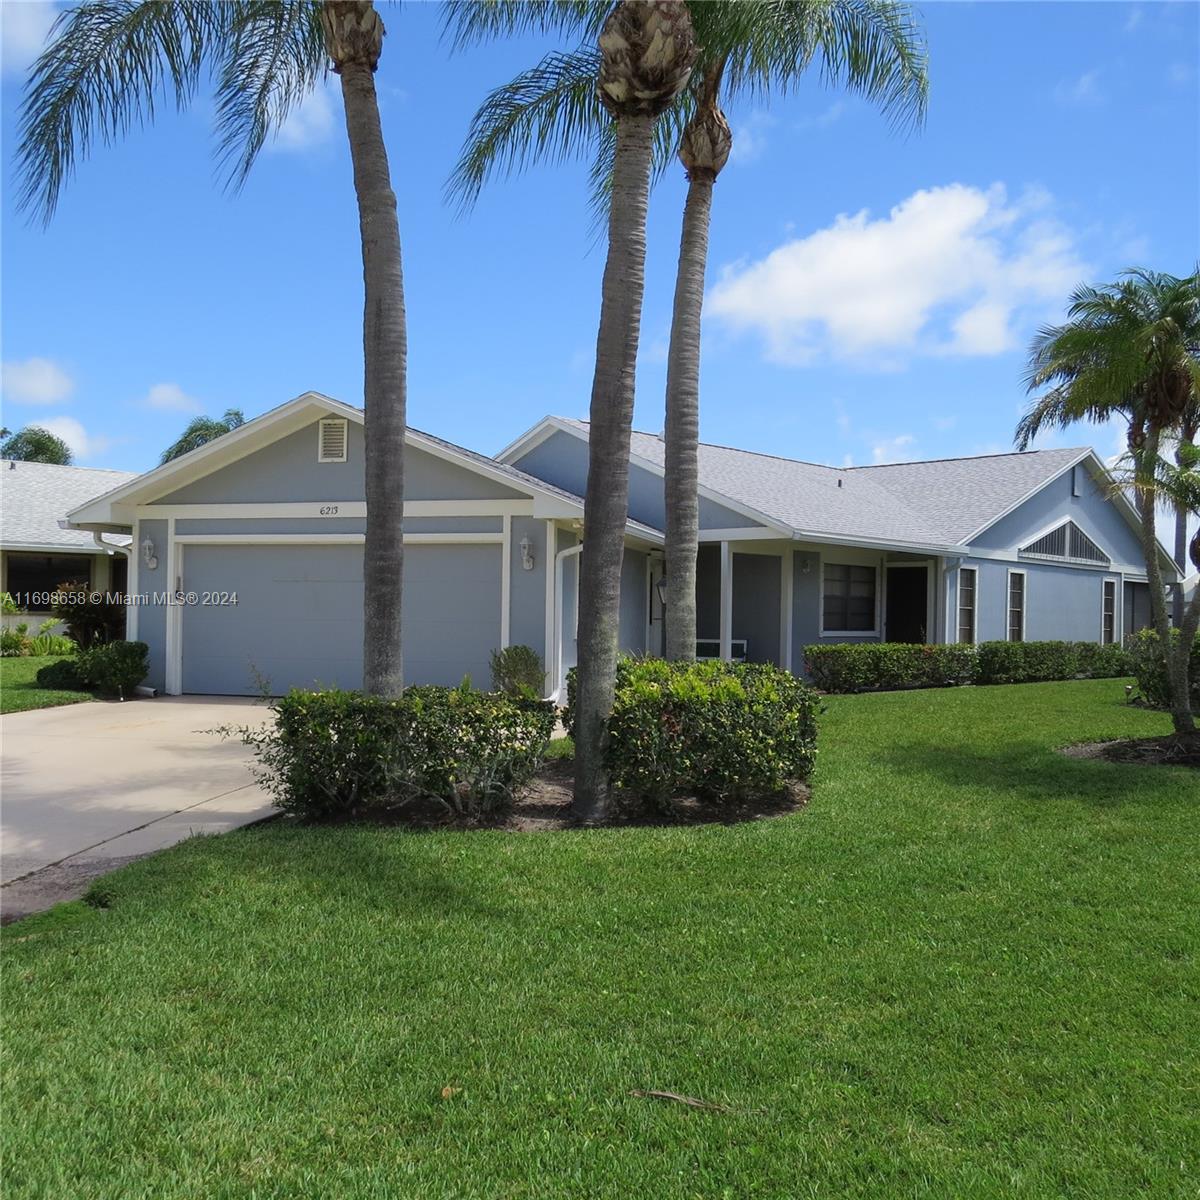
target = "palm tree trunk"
x: 1181, y: 560
x: 1175, y: 655
x: 682, y: 473
x: 606, y: 507
x: 385, y: 353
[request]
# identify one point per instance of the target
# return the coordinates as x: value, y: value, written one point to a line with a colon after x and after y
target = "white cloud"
x: 172, y: 398
x: 311, y: 122
x: 24, y: 25
x: 950, y: 270
x: 824, y: 119
x: 35, y: 381
x: 893, y: 449
x: 82, y: 443
x: 1081, y: 92
x: 750, y: 138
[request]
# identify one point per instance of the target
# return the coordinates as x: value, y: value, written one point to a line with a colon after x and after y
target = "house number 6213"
x: 329, y: 510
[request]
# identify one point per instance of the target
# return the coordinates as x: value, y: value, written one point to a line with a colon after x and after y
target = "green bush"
x: 14, y: 642
x: 91, y: 618
x: 61, y: 676
x: 1149, y: 667
x: 720, y: 731
x: 334, y: 752
x: 1041, y: 662
x: 866, y: 666
x: 518, y: 671
x: 115, y: 668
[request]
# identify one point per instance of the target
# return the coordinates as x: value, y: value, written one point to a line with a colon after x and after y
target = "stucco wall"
x: 151, y: 618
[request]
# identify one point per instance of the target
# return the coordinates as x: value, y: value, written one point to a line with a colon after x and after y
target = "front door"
x: 907, y: 604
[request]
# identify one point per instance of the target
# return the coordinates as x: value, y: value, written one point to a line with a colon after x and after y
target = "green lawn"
x: 970, y: 968
x: 19, y: 690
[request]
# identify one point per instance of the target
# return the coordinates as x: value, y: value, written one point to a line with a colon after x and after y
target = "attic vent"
x: 331, y: 440
x: 1066, y: 541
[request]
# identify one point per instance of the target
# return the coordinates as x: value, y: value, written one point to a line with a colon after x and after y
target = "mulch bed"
x: 1172, y: 750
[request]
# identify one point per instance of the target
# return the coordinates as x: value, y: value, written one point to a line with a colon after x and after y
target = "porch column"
x: 726, y: 602
x: 785, y: 609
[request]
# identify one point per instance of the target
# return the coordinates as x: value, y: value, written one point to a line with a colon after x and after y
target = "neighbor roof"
x: 940, y: 502
x: 34, y: 497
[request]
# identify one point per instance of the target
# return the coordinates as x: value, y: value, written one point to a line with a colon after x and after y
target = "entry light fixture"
x: 661, y: 588
x: 148, y: 553
x: 526, y: 554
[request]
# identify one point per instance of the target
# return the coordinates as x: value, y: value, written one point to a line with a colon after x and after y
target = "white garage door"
x: 298, y: 617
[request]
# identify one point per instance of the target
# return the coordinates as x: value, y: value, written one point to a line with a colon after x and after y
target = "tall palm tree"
x: 107, y: 65
x: 1129, y: 349
x: 748, y: 47
x: 1189, y: 429
x: 35, y: 444
x: 647, y: 50
x: 202, y: 430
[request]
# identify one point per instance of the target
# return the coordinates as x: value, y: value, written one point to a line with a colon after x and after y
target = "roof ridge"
x: 920, y: 462
x: 71, y: 466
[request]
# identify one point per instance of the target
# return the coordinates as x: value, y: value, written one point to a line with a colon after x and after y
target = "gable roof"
x: 34, y: 497
x: 939, y: 504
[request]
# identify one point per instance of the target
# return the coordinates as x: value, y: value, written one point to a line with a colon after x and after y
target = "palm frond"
x: 468, y: 22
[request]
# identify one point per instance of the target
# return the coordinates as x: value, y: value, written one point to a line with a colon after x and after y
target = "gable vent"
x: 1067, y: 541
x: 331, y: 440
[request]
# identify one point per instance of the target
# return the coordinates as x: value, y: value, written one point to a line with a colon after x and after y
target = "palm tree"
x: 748, y: 47
x: 35, y: 444
x: 202, y: 430
x: 1129, y: 349
x: 107, y: 65
x: 1189, y: 429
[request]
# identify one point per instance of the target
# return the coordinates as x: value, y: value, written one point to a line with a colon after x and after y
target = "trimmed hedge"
x: 114, y: 668
x: 723, y: 732
x: 336, y: 753
x: 61, y: 676
x: 1150, y: 669
x: 882, y: 666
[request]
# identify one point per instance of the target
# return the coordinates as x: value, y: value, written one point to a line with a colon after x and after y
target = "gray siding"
x: 287, y: 471
x: 152, y: 618
x: 756, y: 582
x: 562, y: 459
x: 527, y: 596
x: 635, y: 594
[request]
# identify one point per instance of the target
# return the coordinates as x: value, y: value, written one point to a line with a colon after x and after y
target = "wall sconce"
x: 526, y: 547
x: 148, y: 553
x: 661, y: 588
x: 805, y: 564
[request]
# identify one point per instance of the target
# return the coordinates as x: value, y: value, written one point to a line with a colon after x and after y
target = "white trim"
x: 345, y: 509
x: 172, y: 634
x: 82, y: 551
x: 1010, y: 556
x: 1037, y: 556
x: 741, y: 533
x: 344, y: 425
x: 548, y: 644
x: 131, y: 588
x: 787, y: 572
x: 530, y: 439
x: 1104, y: 583
x: 560, y: 560
x: 877, y: 631
x: 505, y: 581
x: 1008, y: 602
x: 1029, y: 495
x: 726, y: 628
x: 974, y: 607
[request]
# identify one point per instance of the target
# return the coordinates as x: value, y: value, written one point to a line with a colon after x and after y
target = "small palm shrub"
x: 115, y: 668
x: 518, y: 671
x: 725, y: 732
x: 1149, y: 667
x: 334, y: 753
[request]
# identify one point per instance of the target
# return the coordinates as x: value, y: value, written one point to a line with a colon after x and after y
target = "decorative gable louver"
x: 331, y: 440
x: 1067, y: 541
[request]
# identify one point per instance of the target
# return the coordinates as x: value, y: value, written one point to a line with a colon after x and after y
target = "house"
x: 247, y: 563
x: 37, y: 553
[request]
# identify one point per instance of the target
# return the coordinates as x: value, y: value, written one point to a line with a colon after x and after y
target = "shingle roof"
x: 941, y: 502
x: 34, y: 497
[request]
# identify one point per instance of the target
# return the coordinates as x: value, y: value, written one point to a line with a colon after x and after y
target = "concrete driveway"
x: 89, y: 786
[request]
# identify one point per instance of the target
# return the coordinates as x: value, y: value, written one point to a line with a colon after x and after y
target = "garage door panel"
x: 298, y: 617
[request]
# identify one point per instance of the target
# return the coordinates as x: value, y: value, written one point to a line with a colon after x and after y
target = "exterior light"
x: 661, y: 588
x: 148, y: 553
x: 526, y: 554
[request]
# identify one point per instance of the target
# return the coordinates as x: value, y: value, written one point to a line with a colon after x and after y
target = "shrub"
x: 91, y: 618
x: 8, y: 606
x: 14, y: 642
x: 1103, y: 662
x: 335, y: 752
x: 518, y: 671
x: 720, y: 731
x: 62, y: 676
x: 1149, y: 667
x: 115, y: 668
x: 862, y: 666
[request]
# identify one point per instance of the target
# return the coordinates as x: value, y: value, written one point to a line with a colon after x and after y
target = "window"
x: 1108, y: 623
x: 1016, y: 606
x: 966, y: 604
x: 1066, y: 541
x: 31, y: 577
x: 331, y: 440
x: 849, y: 599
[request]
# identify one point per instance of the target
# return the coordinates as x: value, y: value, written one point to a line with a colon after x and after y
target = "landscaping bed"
x: 1170, y: 750
x: 20, y: 690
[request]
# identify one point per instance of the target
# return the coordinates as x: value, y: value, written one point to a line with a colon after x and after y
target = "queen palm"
x: 1129, y: 349
x: 107, y: 65
x: 747, y: 48
x: 202, y: 430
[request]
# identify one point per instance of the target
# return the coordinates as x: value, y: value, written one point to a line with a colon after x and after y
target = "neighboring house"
x: 260, y: 533
x: 36, y: 552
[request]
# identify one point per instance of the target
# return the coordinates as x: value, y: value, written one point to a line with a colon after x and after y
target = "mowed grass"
x: 19, y: 690
x: 971, y: 967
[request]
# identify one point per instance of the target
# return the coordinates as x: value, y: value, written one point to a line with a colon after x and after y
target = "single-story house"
x: 247, y: 565
x: 37, y: 551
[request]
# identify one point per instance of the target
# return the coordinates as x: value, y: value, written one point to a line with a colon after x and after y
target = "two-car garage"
x: 269, y: 616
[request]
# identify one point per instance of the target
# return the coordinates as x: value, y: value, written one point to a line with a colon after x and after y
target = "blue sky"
x: 871, y: 295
